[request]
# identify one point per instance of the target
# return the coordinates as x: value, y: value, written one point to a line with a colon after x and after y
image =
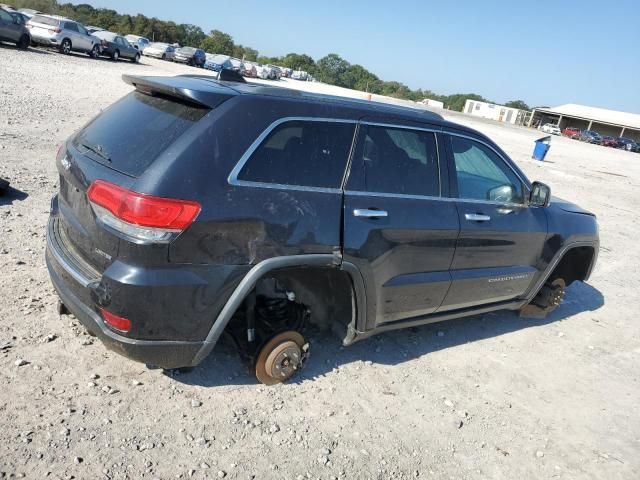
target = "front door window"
x: 482, y: 174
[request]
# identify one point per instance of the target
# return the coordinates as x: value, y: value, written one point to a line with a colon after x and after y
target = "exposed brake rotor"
x: 281, y: 357
x: 546, y: 301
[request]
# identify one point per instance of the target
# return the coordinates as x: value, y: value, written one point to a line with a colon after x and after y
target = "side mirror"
x: 540, y: 195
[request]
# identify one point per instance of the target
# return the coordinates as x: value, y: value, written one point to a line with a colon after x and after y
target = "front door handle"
x: 365, y: 212
x: 477, y: 217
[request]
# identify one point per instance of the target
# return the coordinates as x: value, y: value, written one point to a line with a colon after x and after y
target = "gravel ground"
x: 493, y: 396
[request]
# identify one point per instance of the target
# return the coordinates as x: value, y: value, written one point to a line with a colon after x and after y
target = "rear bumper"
x: 43, y: 40
x: 171, y: 309
x: 165, y: 354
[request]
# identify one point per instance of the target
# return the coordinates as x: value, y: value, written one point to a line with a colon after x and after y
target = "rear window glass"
x: 45, y: 20
x: 134, y: 131
x: 302, y: 153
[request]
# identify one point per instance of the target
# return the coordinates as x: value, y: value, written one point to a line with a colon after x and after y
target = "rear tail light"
x: 61, y: 152
x: 138, y: 217
x: 55, y: 30
x: 120, y: 324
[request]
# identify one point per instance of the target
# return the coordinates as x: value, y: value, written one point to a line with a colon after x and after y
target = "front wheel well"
x: 574, y: 265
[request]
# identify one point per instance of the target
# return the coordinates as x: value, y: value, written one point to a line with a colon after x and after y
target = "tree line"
x: 331, y: 69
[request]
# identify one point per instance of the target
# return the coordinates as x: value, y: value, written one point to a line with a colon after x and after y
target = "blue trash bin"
x: 541, y: 148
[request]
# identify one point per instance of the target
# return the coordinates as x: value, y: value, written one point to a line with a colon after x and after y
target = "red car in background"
x: 608, y: 141
x: 571, y: 132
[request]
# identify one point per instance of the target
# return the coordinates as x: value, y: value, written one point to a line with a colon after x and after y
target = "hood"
x: 569, y: 207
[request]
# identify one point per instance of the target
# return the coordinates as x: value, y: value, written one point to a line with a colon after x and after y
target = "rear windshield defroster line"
x: 137, y: 129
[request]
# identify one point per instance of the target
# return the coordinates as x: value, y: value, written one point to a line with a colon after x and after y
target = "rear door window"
x: 301, y: 153
x: 71, y: 26
x: 134, y: 131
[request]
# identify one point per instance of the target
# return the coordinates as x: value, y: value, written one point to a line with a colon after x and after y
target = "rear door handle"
x: 365, y: 212
x: 477, y: 217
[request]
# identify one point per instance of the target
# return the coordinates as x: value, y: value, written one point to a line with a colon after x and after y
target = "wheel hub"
x: 281, y: 357
x: 284, y: 360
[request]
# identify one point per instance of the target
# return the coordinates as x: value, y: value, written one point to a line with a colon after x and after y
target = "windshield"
x: 220, y: 59
x: 109, y: 36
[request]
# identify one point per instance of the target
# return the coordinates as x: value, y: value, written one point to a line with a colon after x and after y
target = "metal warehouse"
x: 603, y: 121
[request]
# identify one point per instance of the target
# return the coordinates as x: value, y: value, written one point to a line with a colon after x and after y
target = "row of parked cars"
x: 594, y: 137
x: 29, y: 27
x: 197, y: 57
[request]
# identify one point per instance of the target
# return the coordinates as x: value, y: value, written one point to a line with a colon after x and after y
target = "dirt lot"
x: 493, y: 397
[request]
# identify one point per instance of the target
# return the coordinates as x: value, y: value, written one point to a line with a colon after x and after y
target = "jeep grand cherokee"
x: 192, y: 207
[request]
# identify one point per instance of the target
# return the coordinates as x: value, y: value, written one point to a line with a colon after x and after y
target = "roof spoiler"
x: 206, y: 94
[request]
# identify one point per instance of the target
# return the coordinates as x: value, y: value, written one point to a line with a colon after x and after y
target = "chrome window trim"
x: 405, y: 127
x: 232, y: 179
x: 352, y: 150
x: 426, y: 197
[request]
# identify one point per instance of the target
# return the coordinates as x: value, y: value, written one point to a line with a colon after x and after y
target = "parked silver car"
x: 64, y: 34
x: 160, y: 50
x: 13, y: 30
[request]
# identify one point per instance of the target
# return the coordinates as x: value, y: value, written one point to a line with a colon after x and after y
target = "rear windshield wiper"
x: 97, y: 149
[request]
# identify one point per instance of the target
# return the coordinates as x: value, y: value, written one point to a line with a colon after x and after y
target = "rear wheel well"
x: 326, y: 295
x: 327, y: 292
x: 574, y: 265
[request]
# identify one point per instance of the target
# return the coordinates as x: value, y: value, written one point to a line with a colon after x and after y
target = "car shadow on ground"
x: 10, y: 195
x: 11, y: 46
x: 225, y: 368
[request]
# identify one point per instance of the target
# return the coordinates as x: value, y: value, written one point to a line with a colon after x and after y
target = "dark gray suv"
x: 192, y: 207
x: 13, y: 29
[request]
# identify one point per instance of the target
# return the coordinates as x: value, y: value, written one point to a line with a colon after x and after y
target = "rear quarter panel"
x: 244, y: 224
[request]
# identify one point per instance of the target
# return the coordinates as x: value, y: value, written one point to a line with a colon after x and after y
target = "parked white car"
x: 137, y: 41
x: 160, y: 50
x: 551, y: 128
x: 263, y: 71
x: 299, y: 75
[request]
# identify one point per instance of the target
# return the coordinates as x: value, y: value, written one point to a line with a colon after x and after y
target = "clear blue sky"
x: 544, y: 52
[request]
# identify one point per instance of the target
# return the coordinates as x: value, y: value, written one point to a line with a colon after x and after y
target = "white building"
x: 499, y: 113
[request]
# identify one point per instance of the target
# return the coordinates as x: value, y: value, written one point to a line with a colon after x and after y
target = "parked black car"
x: 193, y: 206
x: 116, y: 47
x: 191, y: 56
x: 628, y: 144
x: 13, y: 29
x: 590, y: 136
